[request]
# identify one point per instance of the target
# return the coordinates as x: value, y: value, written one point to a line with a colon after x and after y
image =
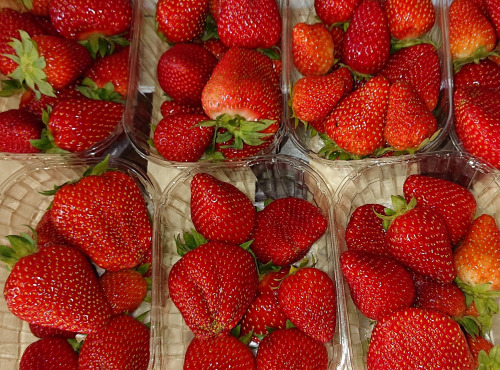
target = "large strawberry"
x: 485, y: 73
x: 454, y: 202
x: 43, y: 285
x: 105, y: 215
x: 226, y: 351
x: 286, y: 229
x: 367, y: 41
x: 18, y: 127
x: 357, y: 122
x: 212, y: 286
x: 409, y: 19
x: 476, y: 121
x: 122, y: 343
x: 416, y: 338
x: 49, y: 353
x: 379, y: 285
x: 335, y: 11
x: 249, y: 23
x: 125, y: 290
x: 220, y: 211
x: 308, y: 299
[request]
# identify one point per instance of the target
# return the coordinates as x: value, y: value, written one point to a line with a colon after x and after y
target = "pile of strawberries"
x: 223, y: 89
x: 78, y: 277
x: 428, y: 273
x: 69, y: 60
x: 243, y: 284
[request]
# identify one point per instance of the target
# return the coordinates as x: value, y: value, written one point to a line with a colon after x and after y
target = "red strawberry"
x: 229, y: 152
x: 249, y: 23
x: 212, y: 286
x: 364, y: 231
x: 181, y: 21
x: 471, y: 35
x: 312, y: 49
x: 420, y: 66
x: 224, y: 352
x: 379, y: 285
x: 476, y: 115
x: 37, y: 7
x: 183, y: 71
x: 409, y: 19
x: 307, y: 297
x: 178, y: 138
x: 42, y: 285
x: 493, y: 8
x: 291, y: 349
x: 270, y: 282
x: 338, y: 35
x: 122, y: 343
x: 452, y: 201
x: 357, y: 122
x: 46, y: 232
x: 104, y: 214
x: 286, y: 229
x: 49, y: 353
x: 485, y: 73
x: 220, y: 211
x: 476, y: 345
x: 216, y: 47
x: 335, y: 11
x: 170, y: 108
x: 367, y: 40
x: 50, y: 332
x: 408, y: 122
x: 18, y: 127
x: 124, y: 290
x: 416, y: 338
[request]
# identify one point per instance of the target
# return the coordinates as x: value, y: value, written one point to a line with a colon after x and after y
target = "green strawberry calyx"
x: 46, y: 141
x: 20, y: 246
x: 478, y: 55
x: 399, y: 207
x: 332, y: 151
x: 101, y: 45
x: 90, y: 89
x: 489, y: 360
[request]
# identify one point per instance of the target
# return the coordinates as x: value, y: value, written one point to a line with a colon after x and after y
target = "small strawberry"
x: 179, y: 137
x: 249, y: 24
x: 228, y: 152
x: 46, y: 231
x: 367, y: 41
x: 270, y: 282
x: 357, y: 122
x: 49, y: 353
x: 308, y: 299
x: 41, y: 331
x: 379, y: 285
x: 479, y: 344
x: 286, y: 229
x: 312, y: 49
x: 212, y: 286
x: 409, y: 19
x: 181, y: 21
x: 122, y: 343
x: 291, y: 349
x: 485, y: 73
x: 416, y: 338
x: 170, y: 108
x: 338, y: 35
x: 335, y: 11
x: 408, y: 121
x: 452, y: 201
x: 124, y: 290
x: 216, y: 47
x: 18, y: 127
x: 183, y: 71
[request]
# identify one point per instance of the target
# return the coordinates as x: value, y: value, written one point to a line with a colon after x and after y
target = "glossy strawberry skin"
x: 212, y: 286
x: 124, y: 290
x: 335, y: 11
x: 485, y: 73
x: 493, y: 9
x: 170, y: 108
x: 270, y: 282
x: 409, y: 19
x: 179, y: 25
x: 18, y: 128
x: 49, y: 353
x: 46, y: 231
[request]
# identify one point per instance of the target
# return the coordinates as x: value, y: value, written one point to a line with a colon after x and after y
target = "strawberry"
x: 420, y: 66
x: 307, y: 297
x: 224, y: 352
x: 249, y: 24
x: 409, y: 19
x: 357, y: 122
x: 227, y: 150
x: 77, y: 125
x: 471, y: 35
x: 212, y: 286
x: 367, y: 41
x: 43, y: 284
x: 270, y: 282
x: 104, y: 214
x: 286, y: 229
x: 243, y: 96
x: 181, y: 21
x: 416, y: 338
x: 179, y: 137
x: 453, y: 202
x: 124, y: 290
x: 476, y: 113
x: 335, y: 11
x: 122, y: 343
x: 37, y: 7
x: 493, y: 8
x: 312, y: 49
x: 338, y: 35
x: 364, y: 231
x: 183, y: 70
x: 49, y: 353
x: 216, y: 47
x: 40, y: 331
x: 408, y: 122
x: 479, y: 344
x: 378, y: 284
x: 291, y: 349
x: 485, y: 73
x: 46, y: 231
x: 220, y: 211
x: 170, y: 108
x: 314, y: 97
x: 18, y: 127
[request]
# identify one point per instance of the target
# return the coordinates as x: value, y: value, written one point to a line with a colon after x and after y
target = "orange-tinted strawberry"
x: 485, y: 73
x: 49, y: 353
x: 335, y: 11
x: 181, y: 21
x: 18, y: 127
x: 409, y: 19
x: 124, y: 290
